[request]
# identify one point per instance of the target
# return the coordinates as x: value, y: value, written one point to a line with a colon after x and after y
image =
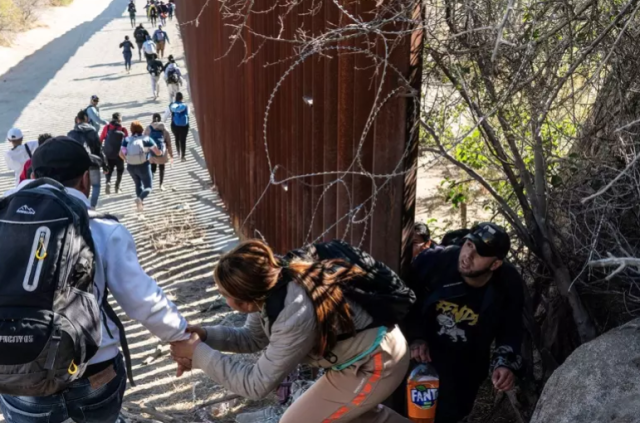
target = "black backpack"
x: 155, y: 68
x: 49, y: 316
x: 140, y: 35
x: 113, y: 143
x: 381, y: 292
x: 173, y: 77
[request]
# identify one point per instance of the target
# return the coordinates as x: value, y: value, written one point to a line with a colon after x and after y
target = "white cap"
x: 14, y: 134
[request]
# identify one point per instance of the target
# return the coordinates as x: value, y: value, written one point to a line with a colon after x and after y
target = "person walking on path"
x: 93, y: 112
x: 140, y: 35
x: 153, y: 14
x: 155, y: 71
x: 26, y: 170
x: 171, y: 7
x: 299, y: 310
x: 86, y: 135
x: 132, y: 13
x: 149, y: 48
x: 160, y: 37
x: 179, y: 114
x: 173, y: 78
x: 20, y: 152
x: 135, y: 151
x: 127, y: 47
x: 159, y: 134
x: 97, y: 395
x: 164, y: 11
x: 111, y: 138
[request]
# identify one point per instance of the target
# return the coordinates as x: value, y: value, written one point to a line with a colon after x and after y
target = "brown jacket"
x: 289, y: 343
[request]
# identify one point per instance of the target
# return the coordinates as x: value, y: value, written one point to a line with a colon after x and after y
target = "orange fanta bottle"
x: 422, y: 394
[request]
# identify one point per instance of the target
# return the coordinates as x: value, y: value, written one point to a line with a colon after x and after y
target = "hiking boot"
x: 107, y: 189
x: 139, y: 205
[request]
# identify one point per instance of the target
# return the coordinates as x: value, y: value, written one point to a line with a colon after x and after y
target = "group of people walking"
x: 154, y: 10
x: 144, y: 150
x: 153, y: 48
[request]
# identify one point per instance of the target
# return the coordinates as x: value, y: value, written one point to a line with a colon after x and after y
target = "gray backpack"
x: 136, y: 154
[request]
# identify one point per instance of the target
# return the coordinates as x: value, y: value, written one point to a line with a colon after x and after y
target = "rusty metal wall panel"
x: 231, y: 94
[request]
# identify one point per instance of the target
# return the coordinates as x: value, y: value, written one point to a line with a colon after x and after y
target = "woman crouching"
x: 311, y: 322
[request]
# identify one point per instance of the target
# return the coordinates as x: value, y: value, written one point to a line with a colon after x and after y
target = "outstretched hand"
x: 185, y: 349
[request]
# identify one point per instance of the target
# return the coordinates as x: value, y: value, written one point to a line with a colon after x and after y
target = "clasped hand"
x: 182, y: 351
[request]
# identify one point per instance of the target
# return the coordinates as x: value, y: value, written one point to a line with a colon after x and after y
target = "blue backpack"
x: 180, y: 118
x: 158, y: 137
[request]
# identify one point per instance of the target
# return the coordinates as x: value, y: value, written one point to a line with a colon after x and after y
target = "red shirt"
x: 109, y: 127
x: 23, y: 175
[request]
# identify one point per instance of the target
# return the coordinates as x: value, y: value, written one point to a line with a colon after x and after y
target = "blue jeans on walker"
x: 142, y: 178
x: 95, y: 176
x: 94, y: 399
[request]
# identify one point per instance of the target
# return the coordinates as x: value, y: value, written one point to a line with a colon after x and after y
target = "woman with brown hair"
x: 316, y: 323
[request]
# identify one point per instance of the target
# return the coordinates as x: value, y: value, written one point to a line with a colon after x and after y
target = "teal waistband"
x: 382, y: 331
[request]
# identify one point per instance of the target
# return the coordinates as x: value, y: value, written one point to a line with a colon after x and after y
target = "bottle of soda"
x: 422, y: 394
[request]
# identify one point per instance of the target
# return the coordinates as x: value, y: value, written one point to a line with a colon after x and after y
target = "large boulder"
x: 599, y: 382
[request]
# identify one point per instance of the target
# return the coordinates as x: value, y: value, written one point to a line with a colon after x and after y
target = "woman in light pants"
x: 313, y: 323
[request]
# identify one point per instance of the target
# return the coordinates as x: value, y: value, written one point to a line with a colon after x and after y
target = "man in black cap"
x: 468, y: 297
x: 97, y: 395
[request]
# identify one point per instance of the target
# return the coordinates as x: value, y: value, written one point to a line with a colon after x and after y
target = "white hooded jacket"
x: 138, y: 294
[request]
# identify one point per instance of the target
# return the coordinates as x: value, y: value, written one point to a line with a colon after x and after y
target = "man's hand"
x: 198, y: 330
x: 185, y: 349
x: 503, y: 379
x: 184, y: 365
x: 420, y: 351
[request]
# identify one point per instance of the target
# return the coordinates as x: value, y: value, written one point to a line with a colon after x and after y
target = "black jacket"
x: 140, y: 35
x: 86, y: 134
x: 443, y: 299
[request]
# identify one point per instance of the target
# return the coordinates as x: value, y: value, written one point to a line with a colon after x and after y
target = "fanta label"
x: 424, y: 397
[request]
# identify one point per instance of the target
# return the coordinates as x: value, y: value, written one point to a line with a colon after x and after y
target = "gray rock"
x: 598, y: 383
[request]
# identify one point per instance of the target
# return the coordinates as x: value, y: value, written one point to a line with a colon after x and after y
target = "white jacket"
x: 18, y: 156
x: 136, y: 292
x: 149, y: 47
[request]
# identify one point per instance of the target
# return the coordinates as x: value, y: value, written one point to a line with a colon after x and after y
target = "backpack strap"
x: 26, y: 147
x: 109, y: 312
x: 274, y: 303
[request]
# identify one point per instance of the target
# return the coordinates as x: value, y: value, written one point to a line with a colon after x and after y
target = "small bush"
x: 58, y: 3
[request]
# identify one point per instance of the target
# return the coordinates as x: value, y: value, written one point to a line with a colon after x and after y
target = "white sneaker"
x: 161, y: 187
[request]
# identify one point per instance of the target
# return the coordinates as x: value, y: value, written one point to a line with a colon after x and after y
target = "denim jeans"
x: 127, y: 59
x: 95, y: 176
x: 142, y: 179
x: 80, y: 402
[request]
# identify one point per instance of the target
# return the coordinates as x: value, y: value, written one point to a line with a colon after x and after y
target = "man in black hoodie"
x: 140, y: 35
x: 86, y: 135
x: 468, y: 298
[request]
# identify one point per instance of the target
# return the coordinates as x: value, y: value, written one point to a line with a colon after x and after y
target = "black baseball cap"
x: 491, y: 240
x: 62, y: 159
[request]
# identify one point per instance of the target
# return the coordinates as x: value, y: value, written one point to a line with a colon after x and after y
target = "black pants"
x: 180, y: 135
x: 139, y: 50
x: 161, y: 167
x: 117, y: 164
x: 132, y: 16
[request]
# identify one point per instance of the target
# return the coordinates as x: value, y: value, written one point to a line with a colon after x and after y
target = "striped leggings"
x: 354, y: 394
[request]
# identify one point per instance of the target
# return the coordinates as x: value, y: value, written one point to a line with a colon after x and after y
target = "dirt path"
x: 185, y: 227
